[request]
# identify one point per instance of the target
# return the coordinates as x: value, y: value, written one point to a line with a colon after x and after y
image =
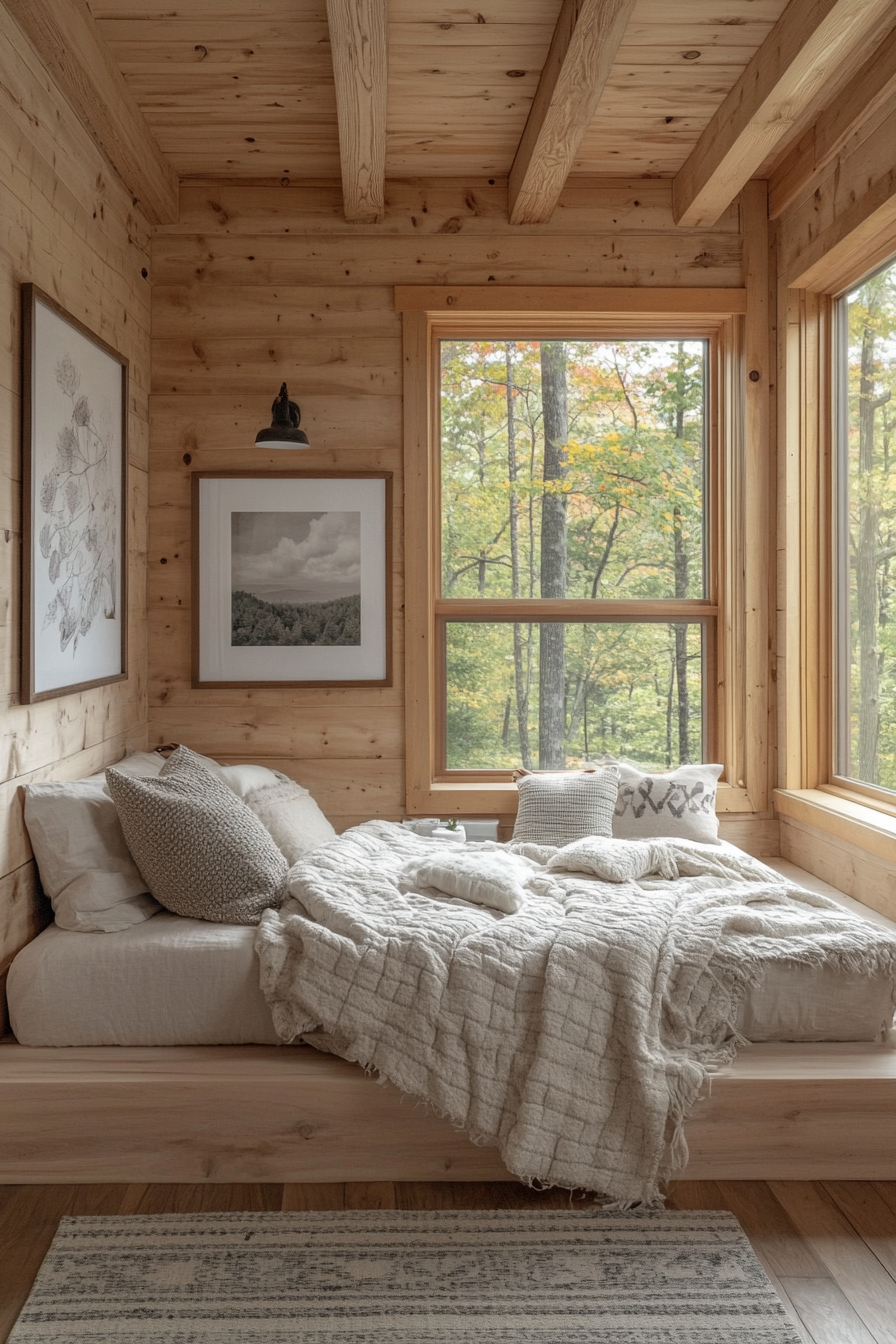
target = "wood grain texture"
x: 260, y: 1113
x: 323, y: 316
x: 582, y: 51
x: 72, y: 50
x: 756, y: 484
x: 847, y: 225
x: 805, y: 50
x: 614, y: 303
x: 360, y: 70
x: 422, y: 206
x: 69, y: 225
x: 851, y: 114
x: 246, y: 89
x: 849, y: 866
x: 852, y: 1264
x: 692, y: 259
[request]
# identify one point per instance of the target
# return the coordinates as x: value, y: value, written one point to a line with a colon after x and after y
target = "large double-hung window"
x: 575, y: 614
x: 582, y: 488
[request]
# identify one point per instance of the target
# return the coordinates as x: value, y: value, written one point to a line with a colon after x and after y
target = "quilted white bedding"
x: 574, y: 1034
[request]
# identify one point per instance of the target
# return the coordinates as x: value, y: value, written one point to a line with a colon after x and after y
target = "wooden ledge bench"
x: 288, y: 1113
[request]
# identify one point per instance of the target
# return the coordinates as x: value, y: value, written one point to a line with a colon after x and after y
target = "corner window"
x: 575, y: 613
x: 866, y: 531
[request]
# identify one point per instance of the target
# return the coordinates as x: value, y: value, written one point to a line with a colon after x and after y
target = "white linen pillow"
x: 85, y: 866
x: 290, y: 815
x: 557, y: 809
x: 140, y: 764
x: 679, y: 805
x: 285, y: 809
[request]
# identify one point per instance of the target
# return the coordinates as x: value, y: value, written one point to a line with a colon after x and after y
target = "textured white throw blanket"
x: 574, y: 1034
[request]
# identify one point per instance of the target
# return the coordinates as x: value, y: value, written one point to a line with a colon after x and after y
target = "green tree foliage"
x: 630, y: 477
x: 869, y: 550
x: 255, y: 622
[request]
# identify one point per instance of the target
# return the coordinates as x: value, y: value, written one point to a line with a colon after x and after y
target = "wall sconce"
x: 284, y: 429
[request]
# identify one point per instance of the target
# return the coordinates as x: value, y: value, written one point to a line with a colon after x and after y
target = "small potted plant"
x: 450, y: 830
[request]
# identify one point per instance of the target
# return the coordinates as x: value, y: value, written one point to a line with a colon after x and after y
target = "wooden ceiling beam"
x: 583, y: 48
x: 69, y: 44
x: 803, y: 52
x: 360, y: 68
x: 864, y: 96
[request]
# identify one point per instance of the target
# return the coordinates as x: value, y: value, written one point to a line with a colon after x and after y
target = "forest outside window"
x: 575, y: 614
x: 866, y: 529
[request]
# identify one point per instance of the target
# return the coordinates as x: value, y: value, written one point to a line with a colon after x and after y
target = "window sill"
x: 485, y: 799
x: 844, y: 816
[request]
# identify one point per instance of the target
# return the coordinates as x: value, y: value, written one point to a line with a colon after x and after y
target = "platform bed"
x: 290, y: 1114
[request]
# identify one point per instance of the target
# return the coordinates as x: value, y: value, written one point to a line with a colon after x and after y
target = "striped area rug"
x: 542, y: 1277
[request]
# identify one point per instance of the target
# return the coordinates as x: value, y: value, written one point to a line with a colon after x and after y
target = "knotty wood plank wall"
x: 261, y: 283
x: 68, y: 225
x: 840, y: 224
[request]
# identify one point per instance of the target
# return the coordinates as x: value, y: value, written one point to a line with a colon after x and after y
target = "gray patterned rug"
x: 551, y: 1277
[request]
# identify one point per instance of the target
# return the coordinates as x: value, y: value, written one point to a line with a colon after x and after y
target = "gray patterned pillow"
x: 680, y: 805
x: 202, y: 852
x: 557, y: 809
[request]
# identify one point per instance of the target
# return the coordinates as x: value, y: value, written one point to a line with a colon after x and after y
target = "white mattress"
x: 174, y: 981
x: 168, y: 981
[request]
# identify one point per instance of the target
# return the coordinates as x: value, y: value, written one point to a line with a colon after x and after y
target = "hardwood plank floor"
x: 829, y: 1247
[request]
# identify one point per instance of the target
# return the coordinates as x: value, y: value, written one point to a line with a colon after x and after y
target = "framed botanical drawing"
x: 292, y: 578
x: 74, y: 505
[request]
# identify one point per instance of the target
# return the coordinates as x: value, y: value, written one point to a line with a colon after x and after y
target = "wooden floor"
x: 829, y: 1247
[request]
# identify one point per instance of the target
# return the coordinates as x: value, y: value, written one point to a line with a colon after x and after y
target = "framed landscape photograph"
x: 74, y: 504
x: 292, y: 578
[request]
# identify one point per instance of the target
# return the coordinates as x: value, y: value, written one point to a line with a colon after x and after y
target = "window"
x: 866, y: 529
x: 610, y: 591
x: 573, y: 480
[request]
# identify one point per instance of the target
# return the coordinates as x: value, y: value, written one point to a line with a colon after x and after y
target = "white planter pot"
x: 442, y: 833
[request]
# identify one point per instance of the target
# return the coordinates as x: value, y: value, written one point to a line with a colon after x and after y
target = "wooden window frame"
x: 812, y: 431
x: 822, y: 260
x: 738, y: 509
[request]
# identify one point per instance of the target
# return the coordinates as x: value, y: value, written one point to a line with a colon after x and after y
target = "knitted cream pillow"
x: 557, y: 809
x: 201, y: 850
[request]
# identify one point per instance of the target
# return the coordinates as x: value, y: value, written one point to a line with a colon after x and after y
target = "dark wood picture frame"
x: 31, y: 626
x: 197, y: 477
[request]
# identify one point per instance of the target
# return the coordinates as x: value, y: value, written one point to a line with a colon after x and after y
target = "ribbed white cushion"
x: 557, y: 809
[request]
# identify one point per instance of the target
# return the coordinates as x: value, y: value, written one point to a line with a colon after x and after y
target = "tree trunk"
x: 520, y: 671
x: 552, y: 650
x: 681, y: 647
x: 669, y: 714
x: 681, y: 588
x: 866, y: 572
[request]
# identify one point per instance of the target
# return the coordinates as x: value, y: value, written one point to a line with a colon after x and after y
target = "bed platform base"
x: 268, y: 1113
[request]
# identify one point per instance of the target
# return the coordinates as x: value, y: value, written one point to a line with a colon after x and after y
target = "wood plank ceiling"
x: 708, y: 92
x: 244, y: 88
